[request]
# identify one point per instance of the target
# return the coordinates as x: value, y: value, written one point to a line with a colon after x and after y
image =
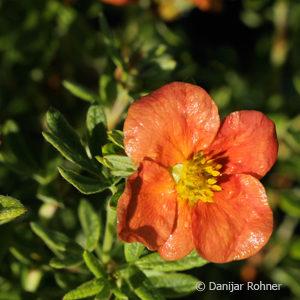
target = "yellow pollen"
x: 196, y: 179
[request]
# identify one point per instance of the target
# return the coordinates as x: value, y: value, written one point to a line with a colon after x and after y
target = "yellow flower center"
x: 196, y: 179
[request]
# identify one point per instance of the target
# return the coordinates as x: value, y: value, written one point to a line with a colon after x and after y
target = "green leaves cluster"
x: 68, y: 253
x: 143, y: 275
x: 119, y: 165
x: 152, y: 277
x: 141, y: 278
x: 96, y: 162
x: 86, y: 173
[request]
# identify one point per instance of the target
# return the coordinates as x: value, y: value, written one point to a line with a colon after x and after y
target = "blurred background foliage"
x: 54, y: 53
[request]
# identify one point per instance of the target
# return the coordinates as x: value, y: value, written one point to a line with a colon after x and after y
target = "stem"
x: 122, y: 267
x: 110, y: 229
x: 115, y: 113
x: 99, y: 252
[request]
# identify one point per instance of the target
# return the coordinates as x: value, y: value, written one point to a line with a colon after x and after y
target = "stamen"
x: 196, y: 179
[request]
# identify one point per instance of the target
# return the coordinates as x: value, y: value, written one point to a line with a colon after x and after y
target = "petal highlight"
x: 246, y: 143
x: 236, y: 225
x: 180, y: 242
x: 170, y: 124
x: 147, y: 209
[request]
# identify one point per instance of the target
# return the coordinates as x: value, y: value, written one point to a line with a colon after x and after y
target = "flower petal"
x: 236, y: 225
x: 247, y: 143
x: 147, y: 209
x: 180, y: 242
x: 119, y: 2
x: 170, y: 124
x: 205, y: 5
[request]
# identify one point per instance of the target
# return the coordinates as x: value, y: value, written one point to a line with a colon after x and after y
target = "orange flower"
x: 197, y: 185
x: 206, y: 5
x: 119, y: 2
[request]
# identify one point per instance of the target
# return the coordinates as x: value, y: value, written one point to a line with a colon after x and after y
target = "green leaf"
x: 142, y: 286
x: 94, y: 265
x: 117, y: 291
x: 109, y: 234
x: 113, y: 202
x: 96, y: 124
x: 117, y: 137
x: 95, y: 116
x: 8, y: 214
x: 90, y: 224
x: 103, y: 162
x: 84, y: 184
x: 10, y: 208
x: 295, y: 249
x: 173, y: 285
x: 120, y: 162
x: 111, y: 148
x: 155, y: 262
x: 67, y: 261
x: 20, y: 256
x: 79, y: 91
x: 104, y: 294
x: 121, y: 173
x: 66, y: 141
x: 120, y: 165
x: 67, y: 280
x: 133, y: 251
x: 55, y: 240
x: 87, y: 289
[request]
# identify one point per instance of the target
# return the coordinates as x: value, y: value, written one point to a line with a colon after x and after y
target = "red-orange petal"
x: 236, y: 225
x: 246, y: 143
x: 180, y: 242
x: 147, y: 209
x: 119, y: 2
x: 206, y: 5
x: 170, y: 124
